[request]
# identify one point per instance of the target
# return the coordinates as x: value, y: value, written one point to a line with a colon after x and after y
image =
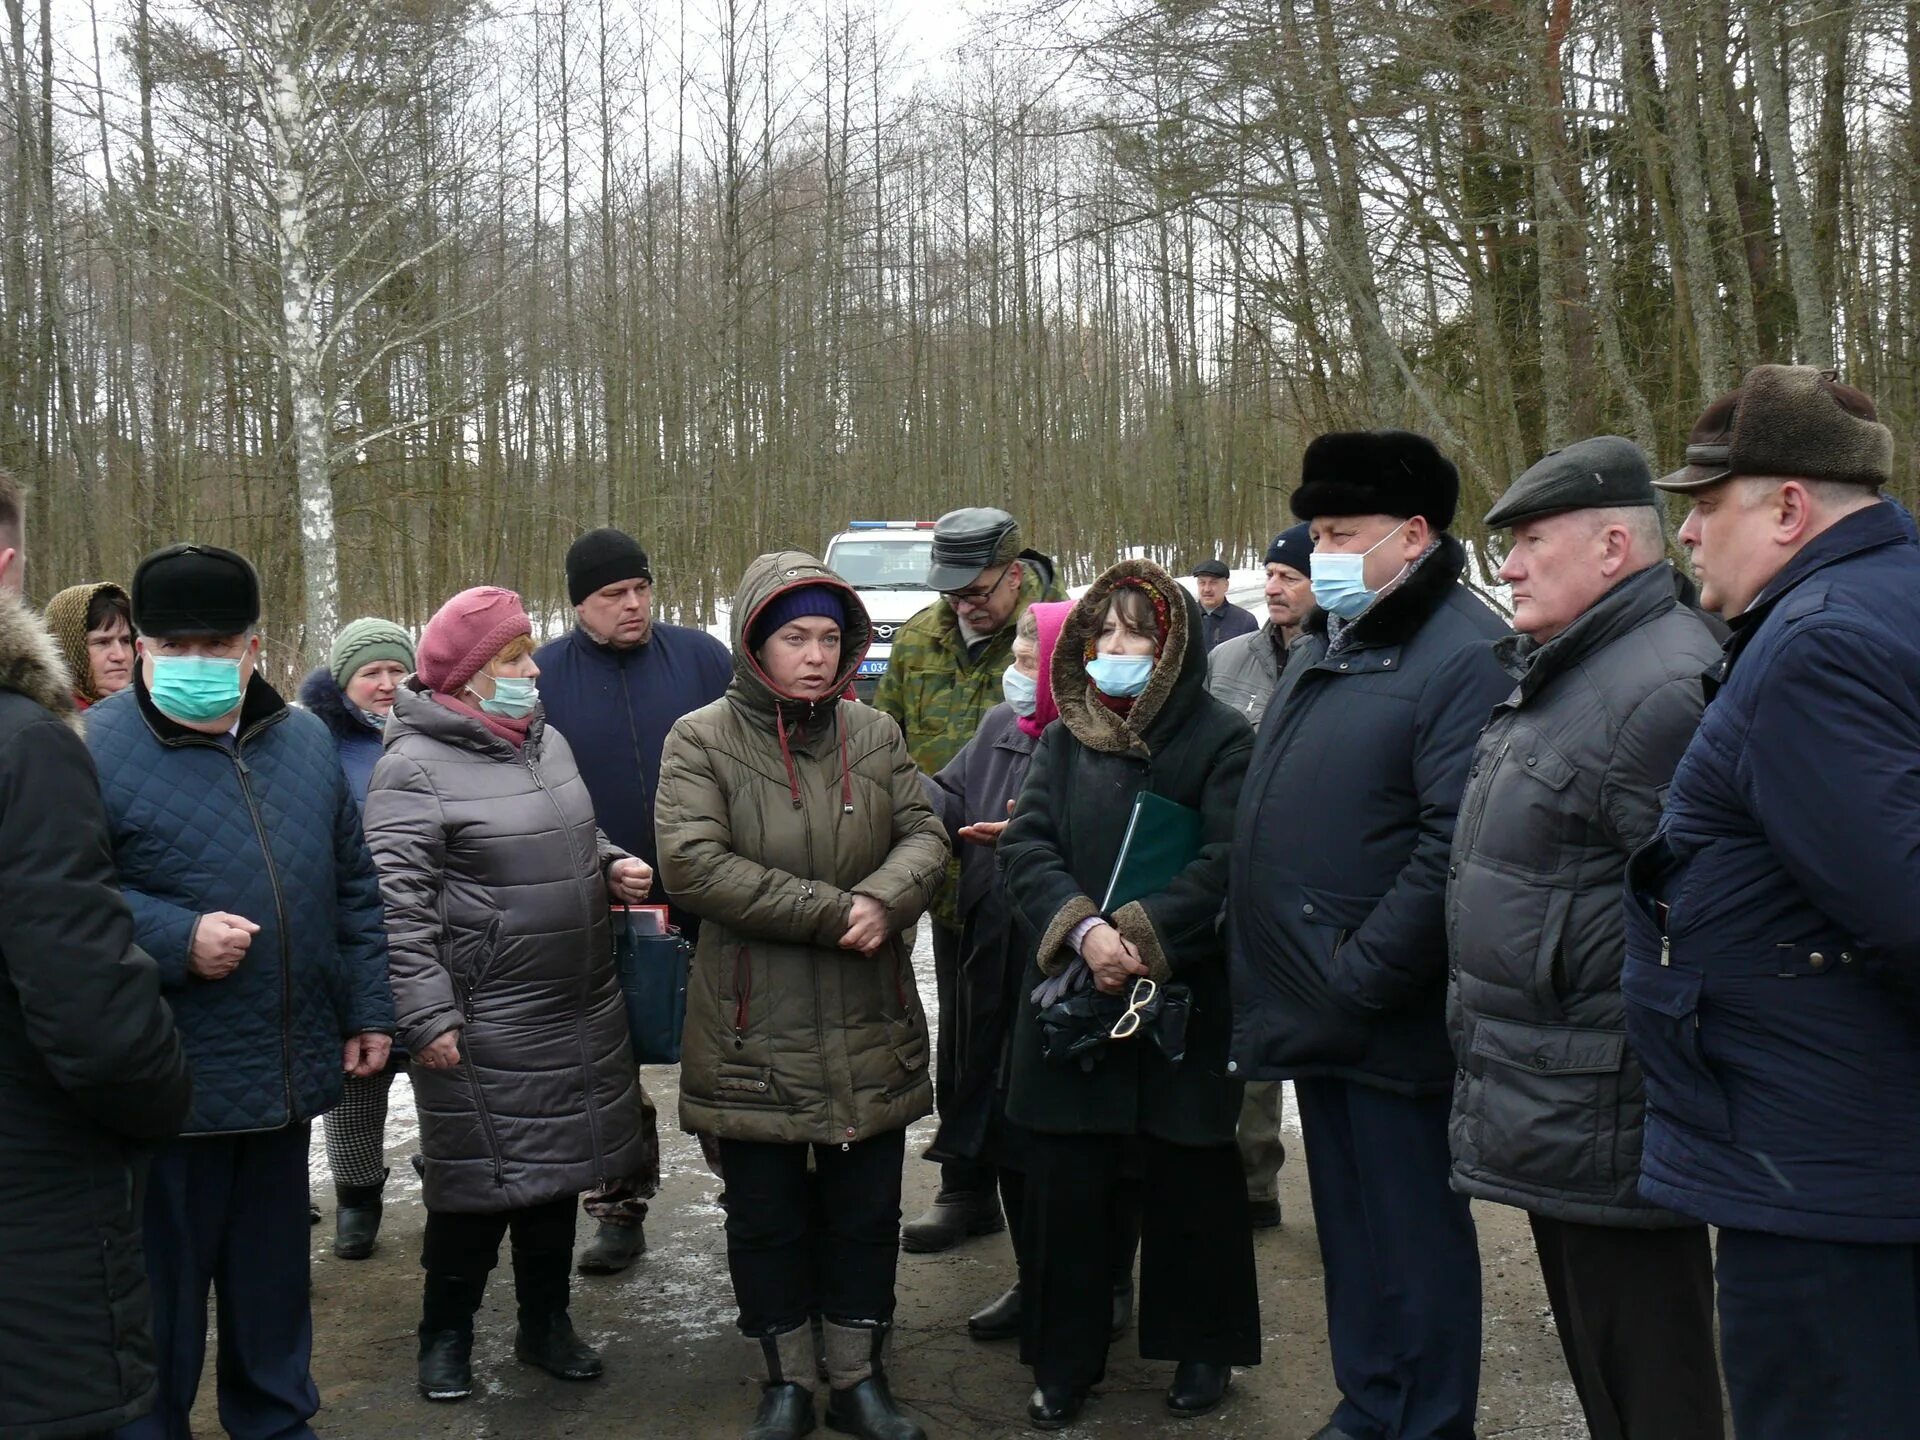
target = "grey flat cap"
x: 1212, y: 569
x: 1596, y: 474
x: 967, y: 542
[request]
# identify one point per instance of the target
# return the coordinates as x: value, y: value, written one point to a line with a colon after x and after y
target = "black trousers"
x: 1125, y: 1222
x: 1635, y: 1313
x: 1820, y: 1338
x: 822, y: 1241
x: 459, y: 1251
x: 961, y: 1176
x: 1198, y: 1296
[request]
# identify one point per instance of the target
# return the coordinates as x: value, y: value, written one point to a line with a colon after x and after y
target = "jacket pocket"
x: 910, y: 1065
x: 1544, y: 1104
x: 482, y: 966
x: 743, y: 1084
x: 1663, y: 1023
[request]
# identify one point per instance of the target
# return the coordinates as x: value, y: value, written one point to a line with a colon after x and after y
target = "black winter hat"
x: 1377, y: 472
x: 601, y: 558
x: 195, y: 590
x: 1293, y: 548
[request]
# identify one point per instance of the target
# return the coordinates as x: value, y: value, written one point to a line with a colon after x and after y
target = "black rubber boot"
x: 446, y: 1335
x: 614, y: 1248
x: 1198, y: 1386
x: 953, y: 1217
x: 356, y: 1220
x: 860, y: 1402
x: 786, y: 1397
x: 546, y: 1338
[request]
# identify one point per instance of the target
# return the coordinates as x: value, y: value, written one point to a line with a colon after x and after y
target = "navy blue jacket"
x: 615, y: 708
x: 261, y: 826
x: 1777, y: 1017
x: 1225, y: 623
x: 1336, y: 896
x: 356, y: 742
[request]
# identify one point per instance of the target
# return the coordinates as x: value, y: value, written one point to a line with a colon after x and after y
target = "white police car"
x: 887, y: 562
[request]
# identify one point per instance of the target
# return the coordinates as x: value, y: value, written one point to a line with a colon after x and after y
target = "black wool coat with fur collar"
x: 1058, y: 854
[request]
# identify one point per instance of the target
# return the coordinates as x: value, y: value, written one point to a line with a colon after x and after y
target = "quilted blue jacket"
x: 262, y: 826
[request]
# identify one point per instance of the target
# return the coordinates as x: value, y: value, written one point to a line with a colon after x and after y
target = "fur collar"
x: 1180, y: 674
x: 320, y: 693
x: 1396, y: 617
x: 30, y: 662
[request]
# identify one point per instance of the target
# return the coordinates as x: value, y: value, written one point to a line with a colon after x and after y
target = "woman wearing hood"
x: 94, y: 626
x: 1129, y: 676
x: 353, y: 693
x: 973, y: 796
x: 792, y: 822
x: 497, y: 883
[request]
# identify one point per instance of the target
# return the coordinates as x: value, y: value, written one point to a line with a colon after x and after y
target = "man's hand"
x: 443, y: 1053
x: 1113, y: 959
x: 365, y: 1055
x: 220, y: 942
x: 986, y: 832
x: 866, y: 926
x: 630, y: 881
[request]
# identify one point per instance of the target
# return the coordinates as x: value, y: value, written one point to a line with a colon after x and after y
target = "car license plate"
x: 870, y: 669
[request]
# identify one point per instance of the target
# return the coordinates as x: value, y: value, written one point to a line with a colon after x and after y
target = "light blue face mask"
x: 513, y: 697
x: 195, y: 688
x: 1120, y: 677
x: 1022, y: 692
x: 373, y: 718
x: 1339, y: 581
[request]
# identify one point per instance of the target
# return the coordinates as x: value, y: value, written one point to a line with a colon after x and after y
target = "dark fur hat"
x: 1377, y: 472
x: 1787, y: 420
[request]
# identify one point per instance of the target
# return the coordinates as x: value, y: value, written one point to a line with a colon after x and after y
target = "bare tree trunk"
x: 1766, y: 45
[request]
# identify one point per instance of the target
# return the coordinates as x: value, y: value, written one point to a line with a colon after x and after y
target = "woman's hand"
x: 443, y: 1053
x: 985, y: 832
x: 1112, y: 958
x: 629, y: 881
x: 866, y: 926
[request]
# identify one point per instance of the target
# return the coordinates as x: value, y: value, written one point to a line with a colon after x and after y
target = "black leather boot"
x: 446, y: 1335
x: 547, y: 1341
x: 614, y: 1248
x: 1198, y: 1386
x: 786, y: 1397
x: 998, y: 1321
x: 1054, y: 1407
x: 953, y: 1216
x: 356, y: 1219
x: 860, y: 1402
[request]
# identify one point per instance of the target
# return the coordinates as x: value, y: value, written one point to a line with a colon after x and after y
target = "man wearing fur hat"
x: 1773, y: 936
x: 91, y: 1071
x: 1338, y: 948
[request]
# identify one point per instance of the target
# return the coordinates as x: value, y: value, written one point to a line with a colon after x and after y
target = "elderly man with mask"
x: 1773, y: 937
x: 1566, y: 783
x: 239, y: 848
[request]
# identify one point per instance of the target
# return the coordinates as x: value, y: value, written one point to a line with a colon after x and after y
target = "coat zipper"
x: 245, y: 777
x: 586, y: 987
x: 494, y: 1152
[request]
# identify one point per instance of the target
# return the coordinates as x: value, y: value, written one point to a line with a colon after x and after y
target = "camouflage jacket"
x: 938, y: 694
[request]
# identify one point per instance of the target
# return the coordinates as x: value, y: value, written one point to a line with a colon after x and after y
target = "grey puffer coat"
x: 1568, y: 779
x: 494, y: 877
x: 1244, y: 671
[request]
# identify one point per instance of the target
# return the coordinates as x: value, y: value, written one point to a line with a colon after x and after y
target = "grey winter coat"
x: 494, y: 877
x: 1567, y: 780
x: 1243, y: 671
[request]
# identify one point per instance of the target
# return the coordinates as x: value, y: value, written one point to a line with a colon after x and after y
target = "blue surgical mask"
x: 1022, y: 691
x: 513, y: 697
x: 195, y: 688
x: 1120, y: 677
x: 1339, y: 581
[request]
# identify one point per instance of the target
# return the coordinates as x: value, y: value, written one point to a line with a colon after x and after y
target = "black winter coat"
x: 1336, y: 899
x: 1566, y: 783
x: 1179, y: 743
x: 90, y: 1067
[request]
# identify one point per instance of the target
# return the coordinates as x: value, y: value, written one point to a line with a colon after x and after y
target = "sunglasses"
x: 1137, y: 1005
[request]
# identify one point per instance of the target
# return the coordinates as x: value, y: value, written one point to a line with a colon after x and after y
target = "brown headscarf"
x: 67, y: 620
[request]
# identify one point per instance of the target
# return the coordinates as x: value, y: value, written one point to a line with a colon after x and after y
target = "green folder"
x: 1162, y: 839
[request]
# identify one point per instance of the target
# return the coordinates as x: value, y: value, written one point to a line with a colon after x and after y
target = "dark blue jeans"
x: 1820, y: 1340
x: 1402, y: 1262
x: 230, y: 1212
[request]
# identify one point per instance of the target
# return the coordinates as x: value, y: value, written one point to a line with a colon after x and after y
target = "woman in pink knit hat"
x: 497, y: 883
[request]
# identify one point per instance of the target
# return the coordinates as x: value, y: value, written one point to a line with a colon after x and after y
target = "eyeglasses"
x: 1137, y: 1003
x: 979, y: 596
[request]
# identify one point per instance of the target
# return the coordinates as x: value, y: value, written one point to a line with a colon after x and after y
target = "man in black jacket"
x: 1567, y: 782
x: 1338, y: 943
x: 90, y: 1067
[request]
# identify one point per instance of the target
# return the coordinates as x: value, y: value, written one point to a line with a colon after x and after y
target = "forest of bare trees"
x: 398, y: 297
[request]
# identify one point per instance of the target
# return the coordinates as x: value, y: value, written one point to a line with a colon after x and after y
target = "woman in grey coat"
x: 496, y: 883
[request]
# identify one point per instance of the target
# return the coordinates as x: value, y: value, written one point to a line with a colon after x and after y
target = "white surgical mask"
x: 1022, y: 691
x: 1120, y: 677
x: 1339, y: 581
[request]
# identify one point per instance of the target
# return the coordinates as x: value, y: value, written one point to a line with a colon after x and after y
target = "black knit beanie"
x: 601, y: 558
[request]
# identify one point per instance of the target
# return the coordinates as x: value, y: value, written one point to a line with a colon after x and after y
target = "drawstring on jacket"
x: 793, y: 774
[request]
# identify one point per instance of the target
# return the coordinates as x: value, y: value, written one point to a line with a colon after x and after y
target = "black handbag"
x: 653, y: 981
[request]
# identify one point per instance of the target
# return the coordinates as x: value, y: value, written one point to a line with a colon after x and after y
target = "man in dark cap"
x: 1565, y: 784
x: 239, y: 849
x: 1337, y: 944
x: 944, y: 675
x: 1773, y: 937
x: 91, y: 1070
x: 614, y: 685
x: 1220, y: 618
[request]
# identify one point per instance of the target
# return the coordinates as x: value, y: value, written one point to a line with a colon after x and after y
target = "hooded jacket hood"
x: 30, y: 663
x: 767, y: 577
x: 67, y: 622
x: 1179, y: 675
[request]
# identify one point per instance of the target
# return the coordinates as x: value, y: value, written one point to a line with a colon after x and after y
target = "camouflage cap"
x: 968, y: 542
x: 1787, y: 420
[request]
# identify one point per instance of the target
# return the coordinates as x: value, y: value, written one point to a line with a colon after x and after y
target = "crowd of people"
x: 1512, y: 899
